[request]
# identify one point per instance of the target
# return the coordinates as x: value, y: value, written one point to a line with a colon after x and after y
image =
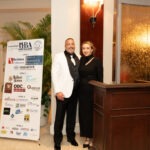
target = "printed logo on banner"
x: 19, y: 88
x: 38, y: 45
x: 14, y: 47
x: 33, y: 130
x: 33, y: 88
x: 32, y: 110
x: 26, y: 117
x: 19, y: 125
x: 25, y: 134
x: 8, y: 87
x: 34, y: 60
x: 8, y: 104
x: 25, y: 46
x: 18, y: 133
x: 17, y: 105
x: 18, y: 111
x: 9, y: 99
x: 3, y: 132
x: 24, y: 129
x: 22, y: 100
x: 6, y: 111
x: 30, y: 78
x: 20, y: 105
x: 15, y: 60
x: 17, y: 78
x: 11, y: 132
x: 12, y: 115
x: 24, y: 67
x: 33, y: 104
x: 16, y: 67
x: 15, y: 128
x: 22, y: 73
x: 34, y: 98
x: 10, y: 60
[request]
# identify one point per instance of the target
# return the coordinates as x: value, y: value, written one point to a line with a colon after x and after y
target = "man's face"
x: 70, y: 46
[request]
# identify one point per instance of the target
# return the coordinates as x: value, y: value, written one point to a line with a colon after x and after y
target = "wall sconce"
x: 96, y: 7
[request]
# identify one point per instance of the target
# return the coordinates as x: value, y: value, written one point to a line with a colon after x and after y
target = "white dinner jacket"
x: 61, y: 77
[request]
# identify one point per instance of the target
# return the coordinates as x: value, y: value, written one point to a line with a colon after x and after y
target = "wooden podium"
x: 121, y: 116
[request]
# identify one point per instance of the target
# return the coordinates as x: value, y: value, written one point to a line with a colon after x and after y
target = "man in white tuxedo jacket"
x: 65, y: 79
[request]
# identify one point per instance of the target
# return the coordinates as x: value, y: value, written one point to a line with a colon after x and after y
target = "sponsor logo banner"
x: 21, y: 102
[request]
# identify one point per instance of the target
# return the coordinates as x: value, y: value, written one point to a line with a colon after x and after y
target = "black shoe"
x: 73, y: 142
x: 57, y: 147
x: 86, y: 145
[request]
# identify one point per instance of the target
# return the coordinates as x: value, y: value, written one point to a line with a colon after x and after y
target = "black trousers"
x: 68, y: 107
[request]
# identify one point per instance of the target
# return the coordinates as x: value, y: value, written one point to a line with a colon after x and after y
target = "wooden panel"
x: 91, y: 34
x: 129, y: 133
x: 99, y: 124
x: 99, y: 98
x: 127, y: 125
x: 130, y: 100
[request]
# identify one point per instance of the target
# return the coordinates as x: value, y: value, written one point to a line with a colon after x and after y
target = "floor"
x: 45, y: 143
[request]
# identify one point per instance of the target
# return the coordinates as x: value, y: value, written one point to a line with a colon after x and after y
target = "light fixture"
x: 96, y: 7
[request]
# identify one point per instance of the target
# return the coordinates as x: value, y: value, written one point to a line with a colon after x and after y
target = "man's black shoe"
x: 73, y: 142
x: 57, y: 147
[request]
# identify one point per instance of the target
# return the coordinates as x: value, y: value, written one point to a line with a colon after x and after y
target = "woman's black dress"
x: 91, y: 71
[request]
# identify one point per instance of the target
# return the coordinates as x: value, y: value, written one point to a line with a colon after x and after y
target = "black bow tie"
x: 68, y: 54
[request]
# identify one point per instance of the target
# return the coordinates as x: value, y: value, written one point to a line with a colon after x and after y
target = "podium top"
x: 121, y: 85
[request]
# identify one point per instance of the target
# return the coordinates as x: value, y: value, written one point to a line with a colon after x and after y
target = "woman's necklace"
x: 89, y: 61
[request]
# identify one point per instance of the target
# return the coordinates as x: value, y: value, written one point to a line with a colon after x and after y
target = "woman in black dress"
x: 90, y: 68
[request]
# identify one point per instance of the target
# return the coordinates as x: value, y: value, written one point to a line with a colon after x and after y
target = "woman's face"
x: 86, y: 49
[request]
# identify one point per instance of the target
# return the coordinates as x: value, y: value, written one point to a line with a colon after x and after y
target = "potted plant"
x: 45, y: 104
x: 25, y: 30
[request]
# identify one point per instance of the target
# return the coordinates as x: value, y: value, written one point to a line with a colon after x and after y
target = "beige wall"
x: 24, y: 10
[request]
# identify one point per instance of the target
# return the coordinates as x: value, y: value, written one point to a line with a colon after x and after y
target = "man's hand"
x: 60, y: 96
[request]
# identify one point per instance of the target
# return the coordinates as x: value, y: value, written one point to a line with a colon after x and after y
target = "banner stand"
x: 21, y: 101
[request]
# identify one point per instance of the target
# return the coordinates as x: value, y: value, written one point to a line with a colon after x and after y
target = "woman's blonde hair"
x: 90, y: 44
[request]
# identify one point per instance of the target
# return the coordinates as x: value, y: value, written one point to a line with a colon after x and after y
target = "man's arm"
x: 55, y: 78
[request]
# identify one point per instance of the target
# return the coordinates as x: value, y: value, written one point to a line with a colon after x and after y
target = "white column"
x: 65, y: 16
x: 108, y: 40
